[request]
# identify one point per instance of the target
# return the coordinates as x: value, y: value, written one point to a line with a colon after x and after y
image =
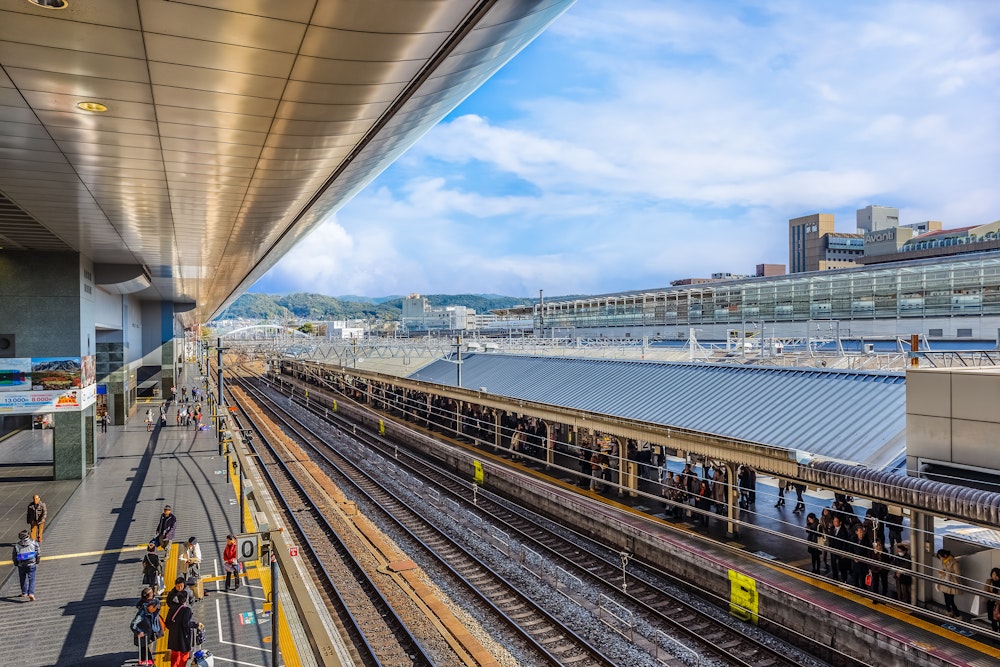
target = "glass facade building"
x: 963, y: 286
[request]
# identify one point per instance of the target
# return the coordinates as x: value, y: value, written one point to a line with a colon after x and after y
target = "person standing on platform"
x: 813, y: 533
x: 166, y: 528
x: 800, y: 504
x: 949, y: 577
x: 37, y: 514
x: 152, y: 569
x: 180, y: 623
x: 992, y: 588
x: 149, y: 419
x: 861, y: 547
x: 104, y: 421
x: 839, y: 539
x: 826, y: 526
x: 880, y: 573
x: 231, y: 563
x: 904, y: 580
x: 26, y: 555
x: 147, y: 627
x: 178, y: 595
x: 192, y: 558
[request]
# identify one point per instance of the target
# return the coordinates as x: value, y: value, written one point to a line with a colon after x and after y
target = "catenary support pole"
x: 274, y: 611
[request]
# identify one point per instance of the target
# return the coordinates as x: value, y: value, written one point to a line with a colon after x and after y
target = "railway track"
x: 544, y: 636
x: 598, y: 568
x: 372, y: 630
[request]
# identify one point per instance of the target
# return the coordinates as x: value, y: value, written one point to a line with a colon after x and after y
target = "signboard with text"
x: 47, y: 384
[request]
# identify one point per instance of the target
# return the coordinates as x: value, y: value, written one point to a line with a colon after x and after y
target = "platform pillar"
x: 69, y: 445
x: 922, y: 552
x: 732, y: 501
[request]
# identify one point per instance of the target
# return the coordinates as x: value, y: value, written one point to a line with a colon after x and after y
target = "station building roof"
x: 852, y: 416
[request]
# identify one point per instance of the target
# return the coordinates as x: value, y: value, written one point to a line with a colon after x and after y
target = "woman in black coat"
x: 180, y: 623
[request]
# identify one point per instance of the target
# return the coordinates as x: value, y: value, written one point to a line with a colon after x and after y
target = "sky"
x: 634, y: 143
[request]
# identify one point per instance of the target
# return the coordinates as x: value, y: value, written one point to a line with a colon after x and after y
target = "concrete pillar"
x: 89, y: 429
x: 922, y: 552
x: 732, y: 497
x: 47, y: 306
x: 69, y: 445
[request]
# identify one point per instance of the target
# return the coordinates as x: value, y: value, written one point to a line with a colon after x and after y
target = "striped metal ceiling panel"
x: 233, y: 127
x: 845, y: 415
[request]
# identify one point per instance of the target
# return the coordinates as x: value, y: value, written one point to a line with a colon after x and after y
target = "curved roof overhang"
x: 232, y: 127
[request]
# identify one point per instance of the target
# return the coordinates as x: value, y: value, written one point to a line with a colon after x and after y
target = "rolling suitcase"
x: 197, y: 586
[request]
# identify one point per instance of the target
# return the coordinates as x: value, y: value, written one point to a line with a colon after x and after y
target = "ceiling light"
x: 96, y: 107
x: 50, y: 4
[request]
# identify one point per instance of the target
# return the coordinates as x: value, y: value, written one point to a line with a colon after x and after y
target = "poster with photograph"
x: 55, y: 373
x: 15, y: 374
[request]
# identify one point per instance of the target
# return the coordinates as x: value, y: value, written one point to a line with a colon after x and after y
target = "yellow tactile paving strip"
x: 286, y: 643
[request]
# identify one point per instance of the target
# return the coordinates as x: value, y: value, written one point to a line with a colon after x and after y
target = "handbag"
x: 996, y: 611
x: 868, y: 578
x: 821, y: 540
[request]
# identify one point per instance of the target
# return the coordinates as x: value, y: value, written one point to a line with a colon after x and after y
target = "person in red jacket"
x: 230, y: 563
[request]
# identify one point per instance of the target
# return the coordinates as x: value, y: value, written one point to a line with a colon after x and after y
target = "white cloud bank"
x: 677, y: 139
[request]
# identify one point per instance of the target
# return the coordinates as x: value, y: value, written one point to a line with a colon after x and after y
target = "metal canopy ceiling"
x: 855, y: 416
x: 233, y: 127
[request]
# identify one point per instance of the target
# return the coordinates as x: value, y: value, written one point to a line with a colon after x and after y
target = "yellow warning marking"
x: 477, y: 475
x: 742, y: 596
x: 84, y: 554
x: 900, y: 614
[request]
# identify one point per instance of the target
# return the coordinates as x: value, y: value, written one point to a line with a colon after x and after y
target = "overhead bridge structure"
x: 157, y: 157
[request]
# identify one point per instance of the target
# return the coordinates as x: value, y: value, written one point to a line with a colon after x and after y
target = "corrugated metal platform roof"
x: 852, y: 416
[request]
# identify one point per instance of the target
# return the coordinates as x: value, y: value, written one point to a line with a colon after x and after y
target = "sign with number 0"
x: 247, y: 548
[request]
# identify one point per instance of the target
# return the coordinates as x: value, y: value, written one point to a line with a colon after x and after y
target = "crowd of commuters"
x: 866, y: 552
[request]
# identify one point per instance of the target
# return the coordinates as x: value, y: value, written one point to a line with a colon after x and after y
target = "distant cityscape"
x: 879, y: 251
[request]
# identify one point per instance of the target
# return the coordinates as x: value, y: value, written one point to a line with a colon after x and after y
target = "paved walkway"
x: 90, y: 576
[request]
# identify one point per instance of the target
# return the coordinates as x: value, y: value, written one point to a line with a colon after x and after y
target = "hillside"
x: 304, y: 306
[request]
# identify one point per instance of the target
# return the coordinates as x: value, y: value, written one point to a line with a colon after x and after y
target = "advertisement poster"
x: 47, y: 384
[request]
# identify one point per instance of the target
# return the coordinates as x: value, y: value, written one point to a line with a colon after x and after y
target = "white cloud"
x: 677, y: 139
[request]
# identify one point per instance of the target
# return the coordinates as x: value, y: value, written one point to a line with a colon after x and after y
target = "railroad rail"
x: 549, y: 640
x: 373, y: 630
x: 593, y: 568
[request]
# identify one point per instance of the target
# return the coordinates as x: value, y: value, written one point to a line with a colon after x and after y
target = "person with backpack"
x: 147, y: 628
x: 26, y: 556
x: 152, y: 569
x: 180, y: 640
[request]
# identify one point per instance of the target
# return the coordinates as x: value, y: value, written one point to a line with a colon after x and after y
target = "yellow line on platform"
x: 899, y: 614
x: 169, y: 574
x: 286, y: 643
x: 82, y: 554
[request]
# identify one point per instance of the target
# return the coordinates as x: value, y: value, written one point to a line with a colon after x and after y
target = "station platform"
x: 90, y: 576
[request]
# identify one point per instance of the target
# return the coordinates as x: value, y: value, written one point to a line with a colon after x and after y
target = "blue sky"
x: 634, y: 143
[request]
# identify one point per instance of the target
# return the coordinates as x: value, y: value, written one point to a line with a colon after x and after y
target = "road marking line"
x: 86, y: 553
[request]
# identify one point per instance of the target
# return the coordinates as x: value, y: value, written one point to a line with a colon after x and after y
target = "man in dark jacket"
x: 26, y: 555
x: 861, y: 547
x: 180, y: 624
x: 839, y: 539
x: 178, y: 595
x: 165, y: 528
x: 37, y: 514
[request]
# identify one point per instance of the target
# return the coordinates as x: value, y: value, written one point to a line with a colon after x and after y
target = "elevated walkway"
x: 90, y: 576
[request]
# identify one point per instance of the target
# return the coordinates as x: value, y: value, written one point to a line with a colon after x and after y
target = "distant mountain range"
x: 303, y: 306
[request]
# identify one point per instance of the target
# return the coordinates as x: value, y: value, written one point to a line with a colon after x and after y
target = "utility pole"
x: 458, y: 359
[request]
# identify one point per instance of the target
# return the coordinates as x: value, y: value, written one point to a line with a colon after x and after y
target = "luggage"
x: 201, y: 657
x: 197, y: 586
x: 163, y: 420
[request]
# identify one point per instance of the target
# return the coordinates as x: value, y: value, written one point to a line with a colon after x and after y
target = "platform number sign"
x: 247, y: 548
